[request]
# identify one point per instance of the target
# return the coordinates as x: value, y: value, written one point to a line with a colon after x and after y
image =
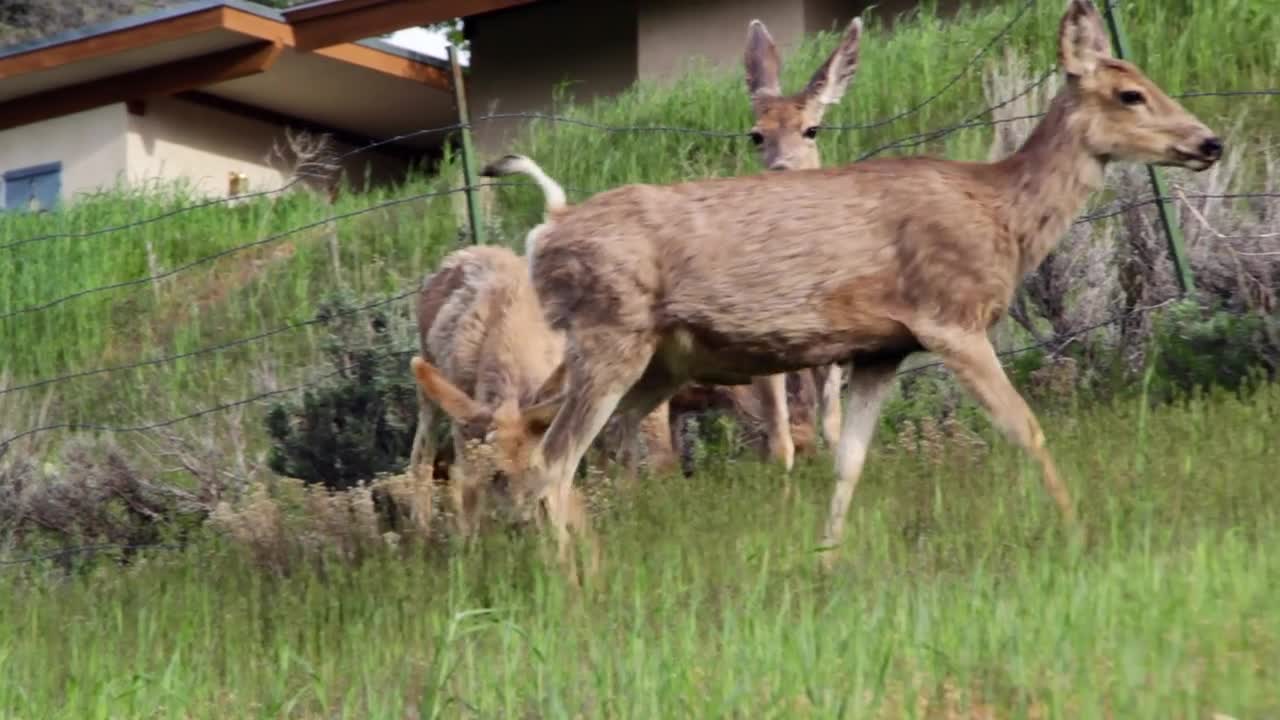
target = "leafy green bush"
x: 1206, y: 347
x: 362, y: 421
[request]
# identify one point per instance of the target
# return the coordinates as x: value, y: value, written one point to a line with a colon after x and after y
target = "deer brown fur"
x: 490, y: 352
x: 785, y: 132
x: 868, y: 263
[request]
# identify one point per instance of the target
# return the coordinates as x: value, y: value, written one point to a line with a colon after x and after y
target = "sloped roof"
x: 246, y: 53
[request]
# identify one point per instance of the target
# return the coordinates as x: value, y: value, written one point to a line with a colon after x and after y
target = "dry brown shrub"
x: 1121, y: 265
x: 287, y: 521
x: 937, y: 442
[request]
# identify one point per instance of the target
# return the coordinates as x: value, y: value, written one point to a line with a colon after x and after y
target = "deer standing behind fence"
x: 785, y: 135
x: 724, y: 279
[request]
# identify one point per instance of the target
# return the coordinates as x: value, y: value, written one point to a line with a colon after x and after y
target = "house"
x: 206, y: 90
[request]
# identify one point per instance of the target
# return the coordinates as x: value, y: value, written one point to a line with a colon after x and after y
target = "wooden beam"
x: 325, y: 25
x: 153, y: 81
x: 384, y: 62
x: 246, y: 23
x: 122, y: 40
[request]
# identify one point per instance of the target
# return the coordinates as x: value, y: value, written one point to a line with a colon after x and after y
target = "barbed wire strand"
x: 225, y: 200
x: 1059, y: 341
x: 950, y: 83
x: 147, y: 427
x: 208, y: 350
x: 390, y: 203
x: 74, y: 550
x: 242, y: 247
x: 1126, y: 207
x: 906, y: 142
x: 971, y: 121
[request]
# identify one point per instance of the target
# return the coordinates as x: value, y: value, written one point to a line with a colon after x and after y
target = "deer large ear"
x: 762, y: 62
x: 553, y: 385
x: 457, y: 404
x: 537, y: 418
x: 1082, y: 39
x: 832, y: 78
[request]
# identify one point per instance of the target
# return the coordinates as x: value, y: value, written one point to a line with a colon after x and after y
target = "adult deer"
x: 724, y: 279
x: 785, y: 135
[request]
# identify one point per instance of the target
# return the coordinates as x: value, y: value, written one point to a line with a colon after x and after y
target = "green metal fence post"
x: 1168, y: 215
x: 468, y: 151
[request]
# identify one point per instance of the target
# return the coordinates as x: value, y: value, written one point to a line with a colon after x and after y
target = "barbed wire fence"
x: 978, y: 119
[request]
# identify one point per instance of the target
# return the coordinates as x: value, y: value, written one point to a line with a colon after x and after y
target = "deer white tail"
x: 521, y: 165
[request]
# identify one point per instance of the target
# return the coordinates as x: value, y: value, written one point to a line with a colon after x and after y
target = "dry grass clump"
x: 288, y: 521
x: 936, y: 442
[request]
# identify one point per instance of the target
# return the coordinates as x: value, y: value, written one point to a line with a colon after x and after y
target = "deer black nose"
x: 1211, y: 148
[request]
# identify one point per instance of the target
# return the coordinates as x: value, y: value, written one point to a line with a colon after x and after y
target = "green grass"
x: 955, y: 581
x: 1184, y: 45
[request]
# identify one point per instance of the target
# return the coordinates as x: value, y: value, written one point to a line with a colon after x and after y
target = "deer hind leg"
x: 868, y: 387
x: 972, y: 358
x: 655, y: 428
x: 829, y: 378
x: 772, y: 391
x: 424, y: 440
x: 646, y: 415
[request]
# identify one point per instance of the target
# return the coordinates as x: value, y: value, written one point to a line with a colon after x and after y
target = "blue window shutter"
x: 38, y: 187
x: 16, y: 193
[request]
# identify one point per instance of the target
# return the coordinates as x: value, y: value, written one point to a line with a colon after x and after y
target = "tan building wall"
x: 179, y: 139
x: 90, y: 145
x: 173, y: 139
x: 519, y: 55
x: 672, y: 33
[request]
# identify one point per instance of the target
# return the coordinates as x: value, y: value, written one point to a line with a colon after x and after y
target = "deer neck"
x: 1050, y: 179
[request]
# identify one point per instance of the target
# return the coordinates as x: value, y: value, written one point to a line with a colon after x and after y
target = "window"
x: 33, y: 188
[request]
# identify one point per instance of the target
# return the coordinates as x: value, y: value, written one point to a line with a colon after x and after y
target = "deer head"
x: 500, y: 439
x: 786, y: 126
x: 1127, y: 116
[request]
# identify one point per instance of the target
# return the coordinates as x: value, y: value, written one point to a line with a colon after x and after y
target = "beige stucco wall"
x: 674, y: 32
x: 833, y: 14
x: 106, y: 147
x: 519, y: 55
x: 174, y: 139
x: 90, y: 145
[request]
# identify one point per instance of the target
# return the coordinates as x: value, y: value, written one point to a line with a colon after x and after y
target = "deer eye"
x: 811, y: 132
x: 1131, y: 97
x: 757, y: 137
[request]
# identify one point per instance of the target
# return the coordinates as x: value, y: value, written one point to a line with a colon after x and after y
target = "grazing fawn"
x: 721, y: 280
x: 480, y: 324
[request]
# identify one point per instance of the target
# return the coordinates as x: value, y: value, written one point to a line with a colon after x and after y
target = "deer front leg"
x: 972, y: 358
x: 597, y: 382
x: 868, y: 387
x: 465, y: 490
x: 424, y: 440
